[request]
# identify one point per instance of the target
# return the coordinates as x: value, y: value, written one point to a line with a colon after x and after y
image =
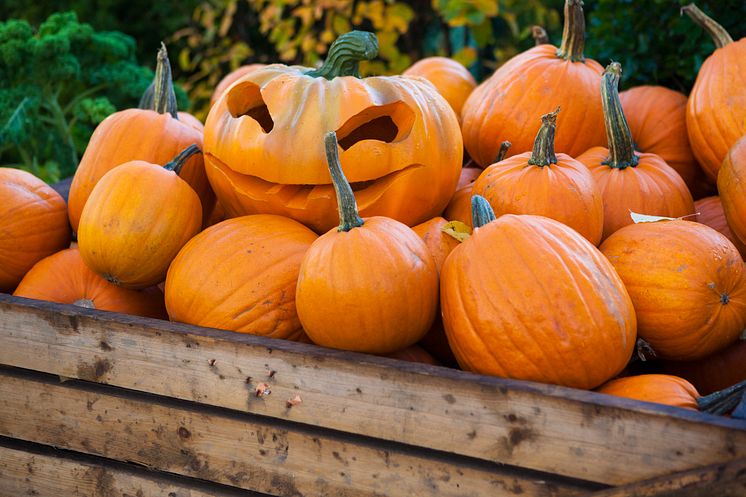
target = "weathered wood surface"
x: 551, y: 429
x: 720, y: 480
x: 41, y: 472
x: 245, y: 451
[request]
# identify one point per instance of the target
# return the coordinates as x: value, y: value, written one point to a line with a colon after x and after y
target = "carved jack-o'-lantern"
x: 400, y: 143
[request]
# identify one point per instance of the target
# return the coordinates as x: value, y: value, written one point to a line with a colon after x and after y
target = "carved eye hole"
x: 386, y: 123
x: 245, y: 99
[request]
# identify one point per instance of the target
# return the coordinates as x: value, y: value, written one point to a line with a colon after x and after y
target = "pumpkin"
x: 452, y: 80
x: 717, y: 102
x: 731, y: 180
x: 527, y: 297
x: 657, y: 120
x: 400, y: 141
x: 710, y: 213
x: 240, y: 275
x: 714, y: 372
x: 435, y: 343
x: 33, y: 224
x: 153, y: 136
x: 631, y: 181
x: 414, y: 354
x: 531, y: 84
x: 231, y: 78
x: 64, y: 278
x: 441, y: 237
x: 687, y: 283
x: 136, y: 220
x: 368, y: 286
x: 545, y: 184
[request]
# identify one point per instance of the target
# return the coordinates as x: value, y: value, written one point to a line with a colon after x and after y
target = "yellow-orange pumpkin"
x: 231, y: 78
x: 452, y: 80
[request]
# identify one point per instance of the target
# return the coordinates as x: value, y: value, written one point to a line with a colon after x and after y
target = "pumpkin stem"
x: 504, y: 146
x: 540, y: 35
x: 481, y: 211
x: 719, y: 35
x: 345, y: 55
x: 348, y: 214
x: 722, y: 402
x: 573, y: 34
x: 160, y: 96
x: 86, y: 303
x: 178, y: 162
x: 621, y: 147
x: 543, y: 153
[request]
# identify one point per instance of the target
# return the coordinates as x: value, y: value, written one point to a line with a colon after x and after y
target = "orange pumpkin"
x: 33, y: 224
x: 534, y: 83
x: 240, y: 275
x: 440, y: 236
x: 64, y: 278
x: 231, y: 78
x: 452, y: 80
x: 714, y: 372
x: 400, y: 142
x: 368, y: 286
x: 414, y: 354
x: 658, y: 388
x: 631, y: 181
x: 136, y: 220
x: 153, y: 136
x: 545, y: 184
x: 717, y: 102
x: 657, y: 120
x: 710, y: 212
x: 527, y: 297
x: 687, y: 283
x: 732, y: 190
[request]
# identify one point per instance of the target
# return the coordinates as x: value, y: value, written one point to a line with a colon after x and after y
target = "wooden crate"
x: 96, y: 403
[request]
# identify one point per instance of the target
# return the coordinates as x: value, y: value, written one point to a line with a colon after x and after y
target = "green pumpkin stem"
x: 349, y: 217
x: 719, y: 35
x: 621, y: 147
x: 722, y: 402
x: 481, y: 211
x: 504, y: 146
x: 178, y: 162
x: 540, y: 36
x: 573, y: 34
x: 543, y: 153
x: 160, y: 96
x: 345, y: 55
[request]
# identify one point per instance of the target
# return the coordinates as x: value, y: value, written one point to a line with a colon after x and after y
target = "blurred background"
x: 67, y: 64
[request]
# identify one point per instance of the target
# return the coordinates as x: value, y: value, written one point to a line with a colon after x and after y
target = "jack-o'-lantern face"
x: 401, y: 147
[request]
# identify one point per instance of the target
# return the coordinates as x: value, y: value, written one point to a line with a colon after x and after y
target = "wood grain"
x: 542, y: 427
x: 244, y: 451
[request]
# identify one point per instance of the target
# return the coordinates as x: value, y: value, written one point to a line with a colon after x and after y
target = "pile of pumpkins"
x: 315, y: 205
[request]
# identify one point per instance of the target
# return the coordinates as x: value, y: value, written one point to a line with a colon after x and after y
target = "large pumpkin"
x: 240, y: 275
x: 631, y: 181
x: 687, y: 283
x: 505, y: 106
x: 717, y: 103
x: 401, y: 145
x: 732, y: 188
x: 33, y: 224
x: 452, y: 80
x: 527, y: 297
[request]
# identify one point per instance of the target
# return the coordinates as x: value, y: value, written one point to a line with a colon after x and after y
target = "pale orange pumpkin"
x: 231, y: 78
x: 452, y: 80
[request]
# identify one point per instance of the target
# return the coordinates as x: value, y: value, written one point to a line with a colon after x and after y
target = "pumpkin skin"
x: 459, y: 208
x: 527, y: 297
x: 717, y: 102
x: 687, y: 284
x: 710, y: 213
x: 658, y: 388
x: 714, y: 372
x: 240, y: 275
x: 452, y: 80
x: 401, y: 144
x: 136, y: 220
x: 414, y: 354
x: 731, y: 187
x: 33, y: 224
x: 439, y: 244
x: 64, y: 278
x: 231, y: 78
x: 531, y: 84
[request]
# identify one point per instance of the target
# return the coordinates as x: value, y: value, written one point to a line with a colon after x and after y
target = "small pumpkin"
x: 240, y: 275
x: 368, y: 286
x: 441, y: 237
x: 710, y: 213
x: 452, y: 80
x: 414, y: 354
x: 714, y: 372
x: 687, y: 283
x: 231, y: 78
x: 33, y: 224
x: 731, y: 179
x: 545, y: 184
x: 64, y: 278
x: 435, y: 343
x: 717, y: 102
x: 631, y: 181
x: 136, y: 220
x: 531, y: 84
x: 527, y: 297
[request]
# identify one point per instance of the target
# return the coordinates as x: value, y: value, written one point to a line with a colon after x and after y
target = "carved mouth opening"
x: 386, y: 123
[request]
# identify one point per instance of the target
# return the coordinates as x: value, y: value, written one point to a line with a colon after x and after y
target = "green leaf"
x: 13, y: 128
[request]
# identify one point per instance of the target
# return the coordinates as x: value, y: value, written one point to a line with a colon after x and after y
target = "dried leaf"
x: 645, y: 218
x: 458, y: 230
x: 294, y: 401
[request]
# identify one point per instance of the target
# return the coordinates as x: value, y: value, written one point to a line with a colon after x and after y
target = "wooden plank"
x: 245, y: 451
x: 721, y: 480
x: 42, y: 472
x: 542, y: 427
